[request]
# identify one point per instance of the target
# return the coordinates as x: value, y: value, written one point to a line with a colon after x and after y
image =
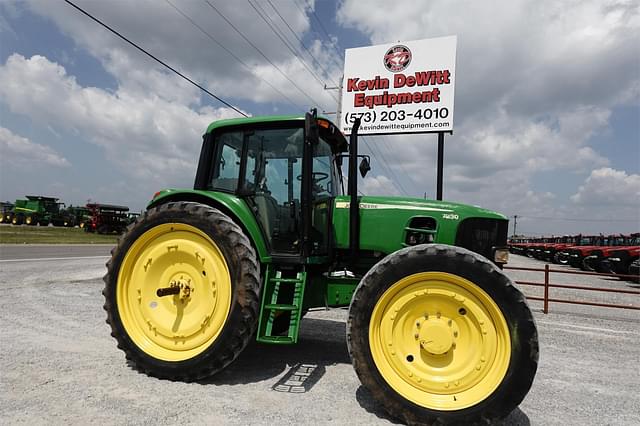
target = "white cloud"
x: 534, y: 84
x: 18, y: 151
x: 145, y: 137
x: 167, y: 34
x: 609, y: 187
x: 378, y: 185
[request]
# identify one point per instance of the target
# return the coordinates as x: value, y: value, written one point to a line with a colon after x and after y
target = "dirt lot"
x: 59, y: 365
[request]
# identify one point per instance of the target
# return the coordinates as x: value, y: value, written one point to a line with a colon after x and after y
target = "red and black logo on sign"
x: 397, y: 58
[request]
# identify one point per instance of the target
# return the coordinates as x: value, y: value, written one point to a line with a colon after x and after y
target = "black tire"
x: 241, y: 321
x: 475, y: 268
x: 634, y: 269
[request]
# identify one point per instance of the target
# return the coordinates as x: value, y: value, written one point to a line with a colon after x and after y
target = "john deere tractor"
x: 436, y: 332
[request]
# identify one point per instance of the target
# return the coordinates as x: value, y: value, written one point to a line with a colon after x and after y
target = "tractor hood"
x: 368, y: 202
x: 386, y: 222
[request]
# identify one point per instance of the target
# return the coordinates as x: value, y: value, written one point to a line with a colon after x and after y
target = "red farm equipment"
x: 107, y: 218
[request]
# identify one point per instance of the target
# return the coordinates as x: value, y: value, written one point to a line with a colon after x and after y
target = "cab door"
x: 272, y: 185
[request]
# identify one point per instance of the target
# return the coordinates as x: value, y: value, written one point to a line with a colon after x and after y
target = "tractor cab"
x: 265, y: 164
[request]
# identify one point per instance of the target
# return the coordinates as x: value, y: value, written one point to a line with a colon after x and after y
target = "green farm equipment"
x: 6, y: 212
x: 436, y: 332
x: 78, y: 216
x: 39, y: 210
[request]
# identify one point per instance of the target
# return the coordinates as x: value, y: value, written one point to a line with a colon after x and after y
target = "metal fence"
x: 547, y: 285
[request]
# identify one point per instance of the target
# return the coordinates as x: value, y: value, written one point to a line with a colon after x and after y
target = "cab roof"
x: 330, y: 132
x: 253, y: 120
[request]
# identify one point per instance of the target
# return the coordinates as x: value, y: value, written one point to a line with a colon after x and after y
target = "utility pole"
x: 515, y: 224
x: 338, y: 112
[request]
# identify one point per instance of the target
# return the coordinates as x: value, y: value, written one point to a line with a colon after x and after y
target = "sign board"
x: 404, y: 87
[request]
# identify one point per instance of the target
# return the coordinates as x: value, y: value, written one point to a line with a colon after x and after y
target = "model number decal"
x: 450, y: 216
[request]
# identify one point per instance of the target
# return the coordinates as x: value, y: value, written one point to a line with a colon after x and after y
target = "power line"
x: 259, y: 51
x: 300, y: 41
x: 392, y: 174
x: 318, y: 20
x: 155, y: 58
x: 382, y: 160
x: 385, y: 143
x: 265, y: 17
x: 394, y: 180
x: 188, y: 18
x: 328, y: 37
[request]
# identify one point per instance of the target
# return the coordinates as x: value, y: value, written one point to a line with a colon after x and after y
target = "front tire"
x: 439, y: 335
x: 200, y: 328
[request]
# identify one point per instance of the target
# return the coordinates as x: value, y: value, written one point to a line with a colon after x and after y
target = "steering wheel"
x: 316, y: 176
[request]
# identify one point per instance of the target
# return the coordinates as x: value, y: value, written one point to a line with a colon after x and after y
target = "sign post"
x: 440, y: 165
x: 401, y: 88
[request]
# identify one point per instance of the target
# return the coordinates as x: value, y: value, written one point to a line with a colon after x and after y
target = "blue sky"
x: 547, y: 122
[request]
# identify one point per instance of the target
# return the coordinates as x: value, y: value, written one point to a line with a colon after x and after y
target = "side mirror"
x: 364, y: 166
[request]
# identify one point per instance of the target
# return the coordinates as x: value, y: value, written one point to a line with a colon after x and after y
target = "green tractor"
x: 6, y: 212
x: 436, y: 332
x: 18, y: 212
x: 78, y: 216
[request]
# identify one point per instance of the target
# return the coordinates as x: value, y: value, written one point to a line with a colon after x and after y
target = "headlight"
x: 501, y: 255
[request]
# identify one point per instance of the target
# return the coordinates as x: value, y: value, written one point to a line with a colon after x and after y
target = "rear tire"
x: 197, y: 333
x: 473, y: 316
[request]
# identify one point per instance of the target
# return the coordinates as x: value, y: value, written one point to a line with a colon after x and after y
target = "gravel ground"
x: 58, y: 364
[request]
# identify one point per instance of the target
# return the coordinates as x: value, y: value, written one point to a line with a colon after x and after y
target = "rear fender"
x: 229, y: 204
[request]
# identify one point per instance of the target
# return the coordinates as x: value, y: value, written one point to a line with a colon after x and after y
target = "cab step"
x: 283, y: 293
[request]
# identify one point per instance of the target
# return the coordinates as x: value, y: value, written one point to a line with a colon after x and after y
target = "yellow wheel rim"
x: 28, y: 221
x: 173, y: 327
x: 439, y: 341
x: 82, y: 225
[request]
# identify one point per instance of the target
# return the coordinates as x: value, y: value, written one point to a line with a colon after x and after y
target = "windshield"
x: 273, y: 164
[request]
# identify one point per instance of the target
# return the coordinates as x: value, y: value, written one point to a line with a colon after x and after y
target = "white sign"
x: 404, y: 87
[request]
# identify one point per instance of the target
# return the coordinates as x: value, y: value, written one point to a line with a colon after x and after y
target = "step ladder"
x: 283, y: 292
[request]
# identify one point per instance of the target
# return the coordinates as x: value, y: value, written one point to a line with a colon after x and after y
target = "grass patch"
x: 22, y: 234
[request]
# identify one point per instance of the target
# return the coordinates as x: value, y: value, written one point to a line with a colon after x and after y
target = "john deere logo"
x: 397, y: 58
